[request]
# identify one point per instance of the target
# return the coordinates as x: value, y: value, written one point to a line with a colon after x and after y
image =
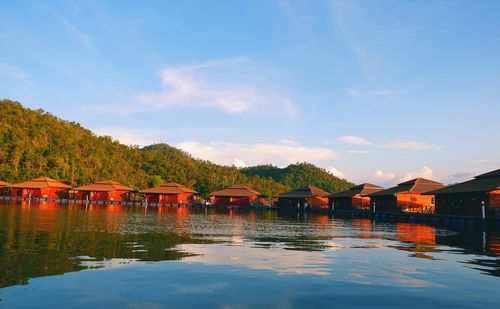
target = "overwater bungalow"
x: 236, y: 196
x: 170, y: 193
x: 42, y: 187
x: 104, y: 190
x: 308, y: 196
x: 4, y: 188
x: 407, y: 196
x: 354, y: 198
x: 467, y: 198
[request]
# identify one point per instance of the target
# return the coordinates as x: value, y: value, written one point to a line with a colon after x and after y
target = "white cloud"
x: 238, y: 163
x: 352, y: 140
x: 335, y: 172
x: 359, y: 151
x: 384, y: 175
x: 410, y: 145
x: 234, y: 85
x: 483, y: 161
x: 425, y: 172
x: 280, y: 154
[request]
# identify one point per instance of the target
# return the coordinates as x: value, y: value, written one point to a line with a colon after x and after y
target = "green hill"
x: 34, y: 143
x: 300, y: 175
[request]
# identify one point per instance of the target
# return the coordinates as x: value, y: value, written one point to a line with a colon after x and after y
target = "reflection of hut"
x: 4, y: 188
x: 298, y: 198
x: 354, y: 198
x: 467, y: 198
x: 42, y: 187
x: 407, y: 197
x: 236, y: 195
x: 170, y: 193
x: 105, y: 190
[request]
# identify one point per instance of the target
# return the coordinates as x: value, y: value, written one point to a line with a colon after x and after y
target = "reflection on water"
x: 46, y: 239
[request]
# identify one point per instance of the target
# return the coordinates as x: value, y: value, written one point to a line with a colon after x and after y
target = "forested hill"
x: 300, y: 175
x: 34, y: 143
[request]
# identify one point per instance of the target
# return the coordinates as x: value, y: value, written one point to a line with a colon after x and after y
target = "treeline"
x: 34, y: 143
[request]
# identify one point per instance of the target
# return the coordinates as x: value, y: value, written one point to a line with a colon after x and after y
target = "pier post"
x: 483, y: 210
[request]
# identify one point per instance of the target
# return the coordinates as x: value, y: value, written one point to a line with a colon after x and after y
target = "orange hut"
x: 104, y: 190
x: 170, y: 193
x: 308, y: 195
x: 236, y: 196
x: 354, y: 198
x: 42, y: 187
x: 467, y: 198
x: 407, y: 196
x: 4, y: 188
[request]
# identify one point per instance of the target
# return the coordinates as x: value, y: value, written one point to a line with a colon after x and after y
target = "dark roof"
x: 236, y: 191
x: 362, y: 189
x: 169, y: 188
x: 41, y: 183
x: 304, y: 192
x: 418, y: 185
x: 495, y: 173
x: 104, y: 186
x: 481, y: 183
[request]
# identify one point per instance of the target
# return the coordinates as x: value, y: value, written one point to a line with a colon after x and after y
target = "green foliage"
x: 300, y: 175
x: 36, y: 143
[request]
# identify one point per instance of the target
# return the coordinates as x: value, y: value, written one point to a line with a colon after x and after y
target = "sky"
x: 372, y: 91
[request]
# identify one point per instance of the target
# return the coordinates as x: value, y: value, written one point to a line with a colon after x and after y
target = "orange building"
x: 354, y: 198
x: 467, y: 198
x: 42, y: 187
x: 170, y: 193
x: 407, y: 196
x: 301, y: 197
x: 4, y: 188
x: 104, y: 190
x: 236, y: 195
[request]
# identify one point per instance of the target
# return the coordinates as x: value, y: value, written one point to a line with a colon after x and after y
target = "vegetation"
x: 34, y: 143
x: 300, y: 175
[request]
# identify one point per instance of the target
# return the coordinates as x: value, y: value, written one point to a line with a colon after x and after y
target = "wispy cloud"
x: 373, y: 93
x: 410, y: 145
x: 352, y: 140
x: 425, y: 172
x: 230, y: 85
x: 359, y: 151
x: 280, y: 153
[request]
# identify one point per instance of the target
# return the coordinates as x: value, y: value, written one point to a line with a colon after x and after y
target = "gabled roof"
x: 169, y: 188
x: 4, y: 184
x: 362, y: 189
x: 304, y: 192
x: 482, y: 183
x: 236, y: 191
x: 417, y: 185
x: 104, y: 186
x: 41, y: 183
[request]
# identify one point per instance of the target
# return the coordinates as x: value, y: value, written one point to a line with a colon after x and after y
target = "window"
x: 433, y: 201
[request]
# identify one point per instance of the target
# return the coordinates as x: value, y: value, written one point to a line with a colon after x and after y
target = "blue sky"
x: 377, y: 91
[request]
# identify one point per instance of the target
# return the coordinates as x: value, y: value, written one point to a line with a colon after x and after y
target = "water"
x: 101, y: 257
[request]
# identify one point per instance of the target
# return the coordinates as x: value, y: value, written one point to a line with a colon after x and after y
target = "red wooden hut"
x: 42, y: 187
x: 236, y: 195
x: 4, y: 188
x: 104, y: 190
x: 308, y: 195
x: 467, y: 198
x: 170, y: 193
x: 406, y: 197
x: 354, y: 198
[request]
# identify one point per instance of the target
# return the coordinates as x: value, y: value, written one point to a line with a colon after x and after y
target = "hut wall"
x: 416, y: 202
x: 387, y: 203
x: 341, y: 203
x: 460, y: 204
x: 495, y: 199
x: 360, y: 202
x: 181, y: 198
x: 319, y: 202
x: 290, y: 202
x: 235, y: 201
x: 51, y: 193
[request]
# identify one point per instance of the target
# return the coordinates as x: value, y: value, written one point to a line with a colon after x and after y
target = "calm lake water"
x: 102, y: 257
